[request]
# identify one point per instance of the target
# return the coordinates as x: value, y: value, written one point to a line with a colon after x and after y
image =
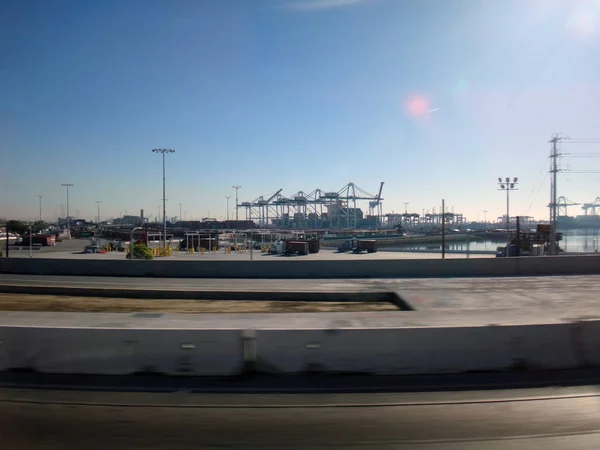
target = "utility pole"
x: 98, y: 203
x: 553, y: 206
x: 507, y: 186
x: 164, y: 151
x: 236, y: 208
x: 518, y: 241
x: 40, y: 200
x: 443, y: 229
x: 227, y: 197
x: 68, y: 185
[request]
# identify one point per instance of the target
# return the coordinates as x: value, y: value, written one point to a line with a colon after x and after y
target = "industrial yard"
x: 74, y: 249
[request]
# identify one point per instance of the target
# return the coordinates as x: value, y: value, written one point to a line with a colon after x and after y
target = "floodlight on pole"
x: 507, y: 186
x: 164, y: 151
x: 68, y: 185
x: 98, y: 203
x: 236, y: 206
x: 227, y: 197
x: 40, y: 200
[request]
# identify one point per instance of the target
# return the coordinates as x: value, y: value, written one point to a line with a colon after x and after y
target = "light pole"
x: 180, y: 217
x: 507, y: 186
x: 164, y: 151
x: 40, y: 199
x: 227, y: 197
x: 236, y: 207
x: 406, y: 207
x: 98, y: 203
x: 68, y: 185
x: 485, y: 216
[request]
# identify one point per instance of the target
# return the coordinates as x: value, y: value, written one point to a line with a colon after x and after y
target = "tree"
x: 39, y: 225
x: 16, y: 226
x: 141, y: 251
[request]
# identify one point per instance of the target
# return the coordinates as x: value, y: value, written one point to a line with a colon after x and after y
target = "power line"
x: 537, y: 191
x: 582, y: 140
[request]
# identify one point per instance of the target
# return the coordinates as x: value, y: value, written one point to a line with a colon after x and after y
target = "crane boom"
x: 274, y: 195
x: 380, y: 190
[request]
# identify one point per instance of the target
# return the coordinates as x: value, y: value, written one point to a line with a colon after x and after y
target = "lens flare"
x: 417, y: 106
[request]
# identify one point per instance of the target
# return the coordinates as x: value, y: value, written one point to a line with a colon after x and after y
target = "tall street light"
x: 485, y: 215
x: 164, y: 151
x: 507, y: 186
x: 98, y: 203
x: 406, y: 207
x: 227, y: 197
x: 180, y: 218
x: 236, y: 207
x: 40, y: 200
x: 68, y: 185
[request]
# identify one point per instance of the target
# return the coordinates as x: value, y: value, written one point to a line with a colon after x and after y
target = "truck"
x: 358, y: 246
x: 314, y: 245
x: 290, y: 247
x: 296, y: 248
x: 38, y: 239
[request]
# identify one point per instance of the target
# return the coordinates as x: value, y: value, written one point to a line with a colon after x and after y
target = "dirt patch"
x: 53, y: 303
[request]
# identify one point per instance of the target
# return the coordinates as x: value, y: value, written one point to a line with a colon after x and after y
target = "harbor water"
x: 574, y: 241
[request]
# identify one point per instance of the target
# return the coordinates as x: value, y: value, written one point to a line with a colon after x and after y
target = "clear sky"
x: 435, y: 97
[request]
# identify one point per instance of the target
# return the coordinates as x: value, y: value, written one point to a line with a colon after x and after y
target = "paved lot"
x: 447, y: 301
x: 73, y: 249
x: 55, y: 303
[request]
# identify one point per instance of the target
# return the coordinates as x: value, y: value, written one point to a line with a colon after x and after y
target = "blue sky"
x: 435, y: 97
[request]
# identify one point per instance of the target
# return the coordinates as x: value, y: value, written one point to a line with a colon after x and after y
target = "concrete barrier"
x: 227, y: 352
x: 121, y: 351
x: 420, y: 350
x: 398, y: 268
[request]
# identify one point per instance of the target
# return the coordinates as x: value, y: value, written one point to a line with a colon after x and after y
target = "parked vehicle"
x: 363, y: 245
x: 277, y: 247
x: 296, y: 247
x: 290, y: 247
x: 38, y: 239
x: 358, y: 246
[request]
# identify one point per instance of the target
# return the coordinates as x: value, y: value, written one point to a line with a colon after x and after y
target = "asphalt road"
x: 533, y: 419
x: 575, y: 295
